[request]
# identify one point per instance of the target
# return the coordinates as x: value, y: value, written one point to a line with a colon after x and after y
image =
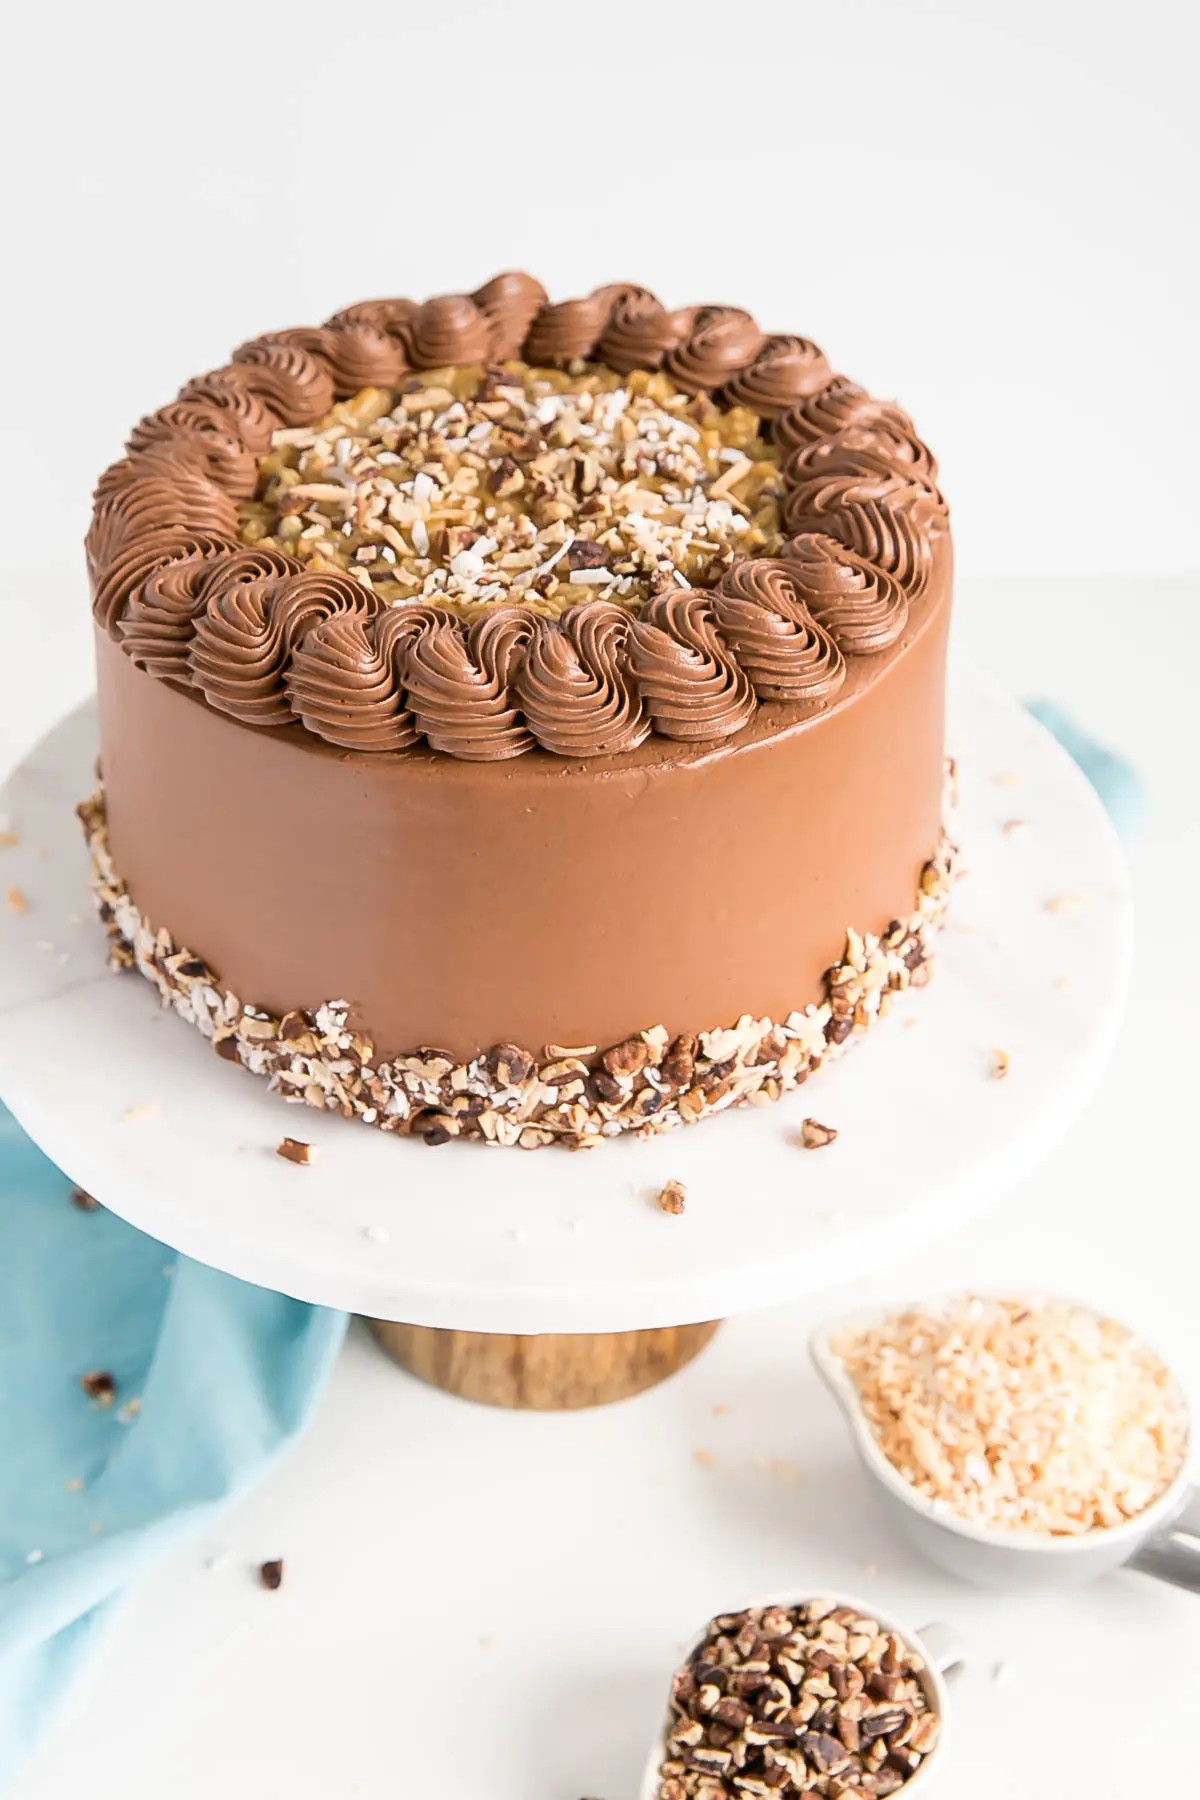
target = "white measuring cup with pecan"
x: 1162, y: 1539
x: 821, y: 1686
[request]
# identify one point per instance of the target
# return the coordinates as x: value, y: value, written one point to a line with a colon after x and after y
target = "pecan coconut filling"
x: 471, y: 487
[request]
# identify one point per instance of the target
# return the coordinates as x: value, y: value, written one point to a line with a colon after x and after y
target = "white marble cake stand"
x: 134, y: 1106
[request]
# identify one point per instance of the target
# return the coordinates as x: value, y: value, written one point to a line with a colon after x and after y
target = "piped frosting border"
x: 274, y: 644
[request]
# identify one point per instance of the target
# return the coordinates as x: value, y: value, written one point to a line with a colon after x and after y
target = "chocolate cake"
x: 520, y: 720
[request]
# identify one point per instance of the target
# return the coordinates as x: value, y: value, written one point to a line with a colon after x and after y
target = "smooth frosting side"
x: 273, y: 644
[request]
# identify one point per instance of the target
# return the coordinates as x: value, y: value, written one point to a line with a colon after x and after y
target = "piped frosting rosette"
x: 839, y: 403
x: 721, y: 342
x: 640, y: 331
x: 392, y: 316
x: 568, y: 330
x: 784, y: 651
x: 451, y: 328
x: 509, y: 302
x: 862, y: 607
x: 344, y: 681
x: 889, y: 520
x: 227, y: 391
x: 123, y: 574
x: 574, y: 685
x: 252, y: 623
x: 867, y: 447
x: 784, y: 370
x: 460, y: 688
x: 144, y: 494
x: 289, y: 380
x: 196, y: 434
x: 690, y: 685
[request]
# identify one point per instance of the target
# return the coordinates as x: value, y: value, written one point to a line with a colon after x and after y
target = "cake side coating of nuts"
x: 507, y: 1095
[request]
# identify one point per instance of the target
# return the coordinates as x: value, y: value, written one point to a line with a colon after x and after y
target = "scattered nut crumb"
x: 673, y: 1197
x: 814, y: 1136
x: 1016, y: 828
x: 15, y: 898
x: 720, y: 1409
x: 295, y: 1150
x: 8, y: 839
x: 705, y: 1458
x: 1063, y: 981
x: 129, y: 1411
x: 74, y: 1485
x: 1065, y: 903
x: 146, y: 1110
x: 1001, y: 1063
x: 99, y: 1386
x: 1008, y: 778
x: 271, y: 1574
x: 83, y: 1200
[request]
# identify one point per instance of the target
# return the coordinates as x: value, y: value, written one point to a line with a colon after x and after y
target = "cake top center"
x: 472, y: 487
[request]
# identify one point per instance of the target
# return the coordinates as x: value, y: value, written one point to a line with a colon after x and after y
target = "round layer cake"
x: 520, y: 720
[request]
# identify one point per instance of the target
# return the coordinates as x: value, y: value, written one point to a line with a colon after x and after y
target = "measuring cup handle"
x: 944, y: 1648
x: 1173, y: 1553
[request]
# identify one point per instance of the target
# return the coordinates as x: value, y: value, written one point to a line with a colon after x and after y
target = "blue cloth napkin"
x: 213, y: 1380
x: 1117, y: 782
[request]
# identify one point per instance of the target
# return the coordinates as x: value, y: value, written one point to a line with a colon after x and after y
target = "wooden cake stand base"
x: 552, y: 1372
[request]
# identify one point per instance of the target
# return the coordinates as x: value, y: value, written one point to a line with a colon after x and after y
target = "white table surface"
x: 484, y: 1606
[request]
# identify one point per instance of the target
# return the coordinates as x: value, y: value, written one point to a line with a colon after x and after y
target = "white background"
x: 991, y: 213
x: 989, y: 210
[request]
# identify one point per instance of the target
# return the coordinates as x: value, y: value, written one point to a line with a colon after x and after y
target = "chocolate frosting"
x: 242, y: 409
x: 458, y: 689
x: 123, y: 574
x: 869, y: 446
x: 640, y: 331
x: 311, y: 645
x: 862, y: 607
x: 360, y: 355
x: 559, y: 334
x: 392, y: 316
x: 574, y: 686
x: 889, y: 520
x: 291, y: 381
x: 196, y: 433
x: 785, y: 369
x: 509, y: 303
x: 159, y: 623
x: 690, y: 685
x: 763, y: 619
x: 722, y: 340
x: 344, y: 686
x: 452, y: 328
x: 251, y: 625
x: 142, y: 494
x: 839, y: 403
